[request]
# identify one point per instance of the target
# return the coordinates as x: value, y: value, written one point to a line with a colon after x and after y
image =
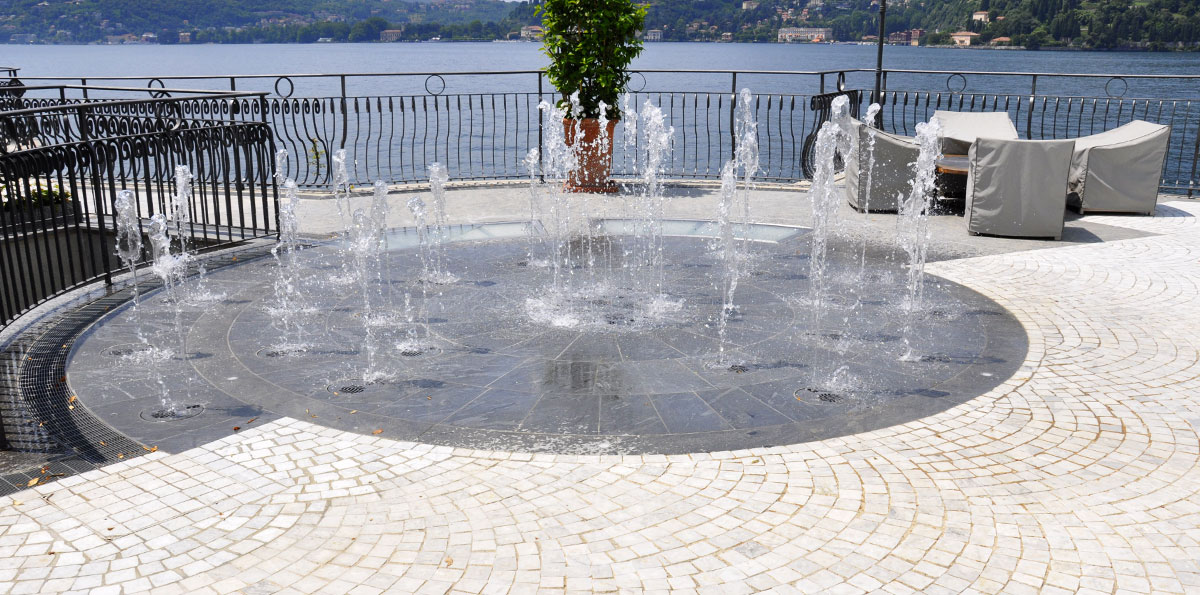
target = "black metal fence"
x: 481, y: 125
x: 62, y: 163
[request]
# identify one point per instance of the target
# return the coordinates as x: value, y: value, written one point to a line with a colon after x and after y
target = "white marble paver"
x: 1081, y: 474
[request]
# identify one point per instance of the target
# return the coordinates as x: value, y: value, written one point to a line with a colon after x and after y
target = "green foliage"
x: 590, y: 44
x: 17, y: 199
x: 250, y: 21
x: 1157, y: 24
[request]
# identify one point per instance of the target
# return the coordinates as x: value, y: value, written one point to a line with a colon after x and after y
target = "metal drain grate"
x: 127, y: 349
x: 272, y: 352
x: 821, y: 396
x: 175, y: 414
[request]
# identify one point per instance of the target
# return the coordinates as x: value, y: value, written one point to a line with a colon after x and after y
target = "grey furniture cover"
x: 1119, y: 170
x: 1018, y: 188
x: 960, y: 129
x: 890, y: 178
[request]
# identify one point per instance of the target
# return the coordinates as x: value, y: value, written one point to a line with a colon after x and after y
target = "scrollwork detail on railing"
x: 291, y: 87
x: 961, y: 88
x: 1124, y: 87
x: 822, y: 105
x: 629, y: 87
x: 161, y: 85
x: 440, y: 80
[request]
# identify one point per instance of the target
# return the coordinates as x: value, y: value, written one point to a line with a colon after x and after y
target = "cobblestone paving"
x: 1079, y: 474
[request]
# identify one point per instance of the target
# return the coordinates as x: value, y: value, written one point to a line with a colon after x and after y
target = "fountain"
x: 913, y: 227
x: 589, y: 323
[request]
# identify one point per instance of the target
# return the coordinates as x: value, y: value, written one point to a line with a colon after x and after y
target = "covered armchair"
x: 1119, y: 170
x: 1018, y: 188
x: 960, y: 129
x: 891, y: 175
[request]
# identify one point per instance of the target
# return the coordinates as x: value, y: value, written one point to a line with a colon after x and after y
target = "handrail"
x: 130, y: 89
x: 644, y: 70
x: 118, y: 102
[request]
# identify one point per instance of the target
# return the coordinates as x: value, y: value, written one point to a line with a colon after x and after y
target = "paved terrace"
x: 1081, y: 473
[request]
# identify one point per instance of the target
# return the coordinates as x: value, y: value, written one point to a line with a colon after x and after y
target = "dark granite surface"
x: 490, y: 377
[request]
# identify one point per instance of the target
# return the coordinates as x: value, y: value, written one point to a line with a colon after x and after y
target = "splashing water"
x: 532, y: 160
x: 832, y: 139
x: 868, y: 127
x: 363, y: 244
x: 380, y: 211
x: 913, y: 225
x: 872, y: 114
x: 169, y: 269
x: 746, y: 127
x: 559, y: 162
x: 341, y: 187
x: 437, y: 273
x: 653, y: 200
x: 179, y: 214
x: 129, y: 235
x: 728, y: 253
x: 289, y: 303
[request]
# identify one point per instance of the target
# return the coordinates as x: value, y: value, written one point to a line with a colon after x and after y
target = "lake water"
x: 152, y: 60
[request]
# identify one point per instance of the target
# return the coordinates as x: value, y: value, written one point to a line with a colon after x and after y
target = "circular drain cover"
x: 174, y: 414
x: 810, y: 395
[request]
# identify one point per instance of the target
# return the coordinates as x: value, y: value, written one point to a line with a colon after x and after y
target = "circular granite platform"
x: 492, y: 370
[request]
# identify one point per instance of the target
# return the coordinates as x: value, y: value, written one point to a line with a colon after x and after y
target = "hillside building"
x: 964, y: 38
x: 811, y: 34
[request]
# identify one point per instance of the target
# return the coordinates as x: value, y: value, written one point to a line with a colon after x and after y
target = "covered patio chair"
x: 1018, y: 188
x: 1119, y: 170
x: 960, y: 129
x: 891, y: 176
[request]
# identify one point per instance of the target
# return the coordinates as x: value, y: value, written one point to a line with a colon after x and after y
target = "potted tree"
x: 590, y: 44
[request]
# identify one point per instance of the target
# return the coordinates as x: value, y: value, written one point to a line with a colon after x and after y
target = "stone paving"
x: 1081, y: 473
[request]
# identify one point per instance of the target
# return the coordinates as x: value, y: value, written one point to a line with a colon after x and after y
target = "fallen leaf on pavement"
x: 379, y: 431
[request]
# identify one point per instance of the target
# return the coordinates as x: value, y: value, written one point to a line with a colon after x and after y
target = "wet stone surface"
x: 497, y: 360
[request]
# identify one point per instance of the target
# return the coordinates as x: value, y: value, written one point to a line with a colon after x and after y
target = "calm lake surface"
x: 95, y: 62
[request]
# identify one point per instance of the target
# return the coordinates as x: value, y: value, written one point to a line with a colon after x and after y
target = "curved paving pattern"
x: 1080, y: 473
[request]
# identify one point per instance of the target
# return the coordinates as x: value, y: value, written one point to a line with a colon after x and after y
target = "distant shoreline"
x: 706, y: 42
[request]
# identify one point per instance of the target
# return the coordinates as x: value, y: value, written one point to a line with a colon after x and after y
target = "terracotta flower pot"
x: 594, y: 156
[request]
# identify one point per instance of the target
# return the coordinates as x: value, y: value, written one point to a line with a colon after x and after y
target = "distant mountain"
x: 1148, y: 24
x: 82, y: 21
x: 1152, y: 24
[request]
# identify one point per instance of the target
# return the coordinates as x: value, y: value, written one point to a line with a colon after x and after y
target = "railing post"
x: 822, y: 83
x: 345, y: 113
x: 83, y: 83
x: 233, y: 83
x: 1029, y: 118
x: 538, y: 114
x: 733, y: 115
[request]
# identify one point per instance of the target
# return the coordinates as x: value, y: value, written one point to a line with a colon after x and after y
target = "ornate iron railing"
x: 394, y: 125
x: 63, y: 167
